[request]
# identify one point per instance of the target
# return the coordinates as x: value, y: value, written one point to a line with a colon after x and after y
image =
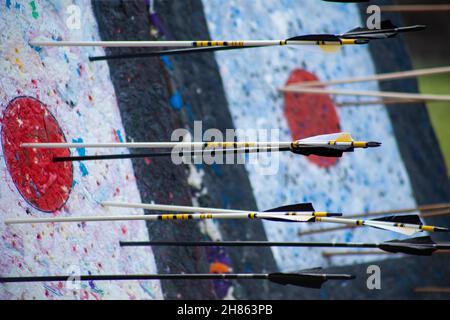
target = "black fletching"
x: 316, y: 37
x: 420, y: 246
x: 307, y: 280
x: 314, y: 281
x: 323, y: 152
x: 409, y: 219
x: 308, y: 207
x: 387, y: 30
x: 417, y: 240
x: 387, y: 24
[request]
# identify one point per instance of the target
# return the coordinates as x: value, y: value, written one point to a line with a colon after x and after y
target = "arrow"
x: 404, y: 224
x: 376, y: 77
x: 416, y: 8
x: 328, y: 145
x: 303, y: 212
x: 352, y: 37
x: 426, y: 211
x: 420, y: 246
x: 432, y: 290
x: 307, y: 278
x: 367, y: 93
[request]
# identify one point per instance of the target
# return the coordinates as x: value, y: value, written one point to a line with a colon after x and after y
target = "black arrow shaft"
x: 165, y: 154
x: 246, y: 244
x: 168, y: 52
x: 112, y: 156
x: 206, y: 276
x: 200, y: 276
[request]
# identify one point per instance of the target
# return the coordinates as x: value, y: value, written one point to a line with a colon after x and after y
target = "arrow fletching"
x: 420, y: 246
x: 307, y: 280
x: 288, y: 218
x: 387, y: 30
x: 407, y: 218
x: 316, y: 37
x: 298, y: 207
x: 330, y: 145
x: 404, y: 224
x: 293, y: 207
x: 401, y: 230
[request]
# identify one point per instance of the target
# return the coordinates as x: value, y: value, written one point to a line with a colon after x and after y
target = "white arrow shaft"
x: 408, y: 229
x: 169, y: 208
x: 376, y: 77
x: 156, y: 145
x: 177, y: 44
x: 303, y: 217
x: 381, y: 94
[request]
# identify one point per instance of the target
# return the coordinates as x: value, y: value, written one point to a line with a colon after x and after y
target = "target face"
x: 44, y: 184
x: 310, y: 114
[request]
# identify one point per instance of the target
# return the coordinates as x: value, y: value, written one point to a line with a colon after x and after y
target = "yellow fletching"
x: 344, y: 137
x: 330, y: 48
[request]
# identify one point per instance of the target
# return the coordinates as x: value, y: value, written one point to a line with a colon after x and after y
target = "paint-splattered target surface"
x: 310, y: 114
x: 43, y: 183
x: 82, y: 99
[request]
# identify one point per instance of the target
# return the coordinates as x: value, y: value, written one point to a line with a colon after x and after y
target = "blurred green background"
x: 431, y: 48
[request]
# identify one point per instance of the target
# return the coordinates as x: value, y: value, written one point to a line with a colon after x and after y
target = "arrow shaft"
x: 247, y: 244
x: 376, y: 77
x: 407, y: 228
x: 183, y: 44
x: 442, y: 246
x: 381, y: 94
x: 361, y: 222
x: 171, y: 208
x: 206, y: 276
x: 183, y: 152
x: 382, y: 246
x: 312, y: 280
x: 205, y: 210
x: 156, y: 44
x: 158, y: 217
x: 167, y: 52
x: 179, y: 146
x: 416, y: 8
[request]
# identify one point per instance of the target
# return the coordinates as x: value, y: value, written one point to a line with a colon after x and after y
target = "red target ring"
x: 310, y: 114
x: 44, y: 184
